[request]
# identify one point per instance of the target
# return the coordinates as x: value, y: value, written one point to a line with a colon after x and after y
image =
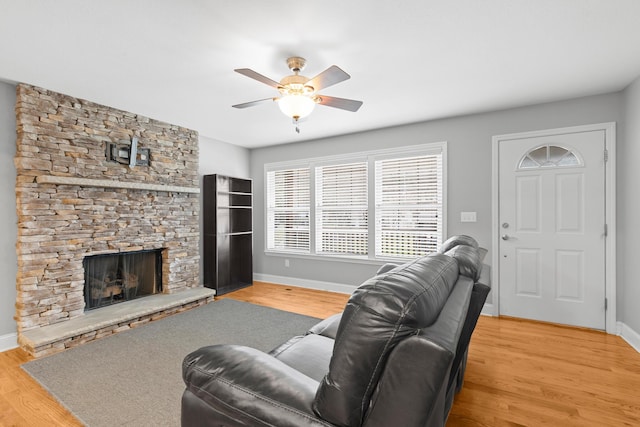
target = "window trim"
x: 369, y: 156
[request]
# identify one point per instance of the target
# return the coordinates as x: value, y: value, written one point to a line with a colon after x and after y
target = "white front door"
x: 552, y: 228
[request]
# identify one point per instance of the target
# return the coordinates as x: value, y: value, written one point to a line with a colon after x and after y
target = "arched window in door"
x: 550, y: 156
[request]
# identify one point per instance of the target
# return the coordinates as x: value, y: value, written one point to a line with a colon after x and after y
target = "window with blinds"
x: 341, y: 209
x: 408, y: 204
x: 288, y: 203
x: 374, y: 205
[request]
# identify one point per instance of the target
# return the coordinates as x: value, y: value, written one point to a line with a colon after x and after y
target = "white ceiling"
x: 409, y: 60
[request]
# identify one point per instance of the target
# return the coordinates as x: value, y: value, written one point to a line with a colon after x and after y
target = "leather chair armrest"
x: 245, y: 385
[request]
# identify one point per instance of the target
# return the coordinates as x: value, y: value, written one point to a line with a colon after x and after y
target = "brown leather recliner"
x: 395, y: 357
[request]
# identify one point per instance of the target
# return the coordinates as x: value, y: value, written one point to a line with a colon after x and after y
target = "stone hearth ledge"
x: 108, y: 183
x: 108, y: 316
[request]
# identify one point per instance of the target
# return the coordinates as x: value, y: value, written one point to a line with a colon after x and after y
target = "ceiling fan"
x: 299, y: 94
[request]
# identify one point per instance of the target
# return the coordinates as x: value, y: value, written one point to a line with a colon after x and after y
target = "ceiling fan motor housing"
x: 295, y: 85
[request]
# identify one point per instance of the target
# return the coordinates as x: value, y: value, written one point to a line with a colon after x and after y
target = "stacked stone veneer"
x: 58, y: 225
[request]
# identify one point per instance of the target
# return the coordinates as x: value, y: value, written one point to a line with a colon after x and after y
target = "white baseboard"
x: 305, y: 283
x: 488, y: 310
x: 629, y: 335
x: 8, y: 342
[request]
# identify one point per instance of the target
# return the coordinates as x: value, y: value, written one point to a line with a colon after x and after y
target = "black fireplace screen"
x: 114, y: 278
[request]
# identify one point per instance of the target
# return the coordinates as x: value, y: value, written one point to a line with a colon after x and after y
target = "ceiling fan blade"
x: 257, y: 76
x: 342, y: 103
x: 328, y: 77
x: 252, y: 103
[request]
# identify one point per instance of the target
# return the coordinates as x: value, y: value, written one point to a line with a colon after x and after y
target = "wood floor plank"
x: 310, y: 302
x: 23, y: 402
x: 519, y: 373
x: 529, y: 373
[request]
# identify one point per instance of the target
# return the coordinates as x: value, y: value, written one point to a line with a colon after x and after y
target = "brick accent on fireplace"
x: 59, y: 224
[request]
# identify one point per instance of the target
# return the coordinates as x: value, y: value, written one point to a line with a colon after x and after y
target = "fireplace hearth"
x: 113, y: 278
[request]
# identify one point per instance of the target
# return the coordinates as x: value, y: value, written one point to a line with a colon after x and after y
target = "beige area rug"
x: 134, y: 378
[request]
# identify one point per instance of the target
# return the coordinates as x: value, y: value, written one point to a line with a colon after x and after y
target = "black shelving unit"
x: 228, y: 233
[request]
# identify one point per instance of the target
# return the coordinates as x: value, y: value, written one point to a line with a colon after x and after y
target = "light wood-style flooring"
x: 519, y: 373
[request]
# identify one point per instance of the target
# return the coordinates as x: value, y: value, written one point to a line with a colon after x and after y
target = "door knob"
x: 505, y: 237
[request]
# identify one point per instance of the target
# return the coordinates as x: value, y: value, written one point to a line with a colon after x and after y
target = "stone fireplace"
x: 74, y: 204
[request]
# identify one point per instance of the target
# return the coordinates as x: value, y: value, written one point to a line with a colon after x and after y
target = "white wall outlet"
x: 467, y: 217
x: 286, y: 263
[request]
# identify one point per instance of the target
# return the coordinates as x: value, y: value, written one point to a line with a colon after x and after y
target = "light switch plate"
x: 467, y: 217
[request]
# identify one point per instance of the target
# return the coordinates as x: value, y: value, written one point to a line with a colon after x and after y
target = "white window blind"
x: 288, y: 204
x: 341, y: 209
x: 408, y: 206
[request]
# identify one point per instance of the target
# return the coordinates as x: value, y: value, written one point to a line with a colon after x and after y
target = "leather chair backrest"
x: 381, y: 312
x: 466, y: 251
x: 457, y: 240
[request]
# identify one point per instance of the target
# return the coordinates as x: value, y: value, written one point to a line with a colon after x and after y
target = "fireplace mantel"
x: 109, y: 183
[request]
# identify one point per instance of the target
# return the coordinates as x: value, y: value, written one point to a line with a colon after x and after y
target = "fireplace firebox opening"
x: 124, y: 276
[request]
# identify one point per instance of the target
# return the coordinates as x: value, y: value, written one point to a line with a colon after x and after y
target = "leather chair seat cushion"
x: 309, y: 354
x: 380, y: 313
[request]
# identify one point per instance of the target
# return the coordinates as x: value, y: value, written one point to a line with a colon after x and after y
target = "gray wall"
x: 8, y: 219
x: 628, y: 194
x: 469, y: 171
x: 221, y: 158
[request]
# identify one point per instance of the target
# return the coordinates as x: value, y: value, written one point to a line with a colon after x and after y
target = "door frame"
x: 609, y: 129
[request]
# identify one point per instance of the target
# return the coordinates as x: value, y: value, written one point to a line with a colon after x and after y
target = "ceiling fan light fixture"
x: 296, y: 106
